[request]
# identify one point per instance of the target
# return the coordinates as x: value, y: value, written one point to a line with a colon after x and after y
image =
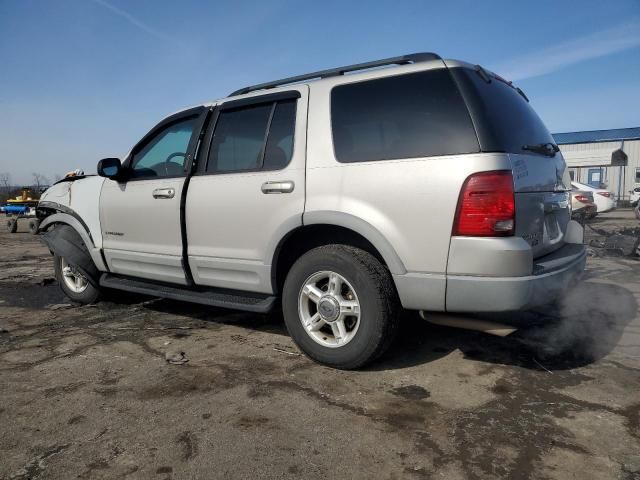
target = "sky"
x: 82, y: 80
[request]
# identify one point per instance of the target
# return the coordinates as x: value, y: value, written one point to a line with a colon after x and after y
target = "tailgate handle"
x: 285, y: 186
x: 553, y: 206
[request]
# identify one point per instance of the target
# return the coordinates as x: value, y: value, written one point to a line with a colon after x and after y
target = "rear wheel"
x: 12, y: 225
x: 33, y: 226
x: 340, y: 306
x: 73, y: 283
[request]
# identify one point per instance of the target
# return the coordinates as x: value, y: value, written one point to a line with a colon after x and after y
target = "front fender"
x: 65, y: 242
x: 80, y: 229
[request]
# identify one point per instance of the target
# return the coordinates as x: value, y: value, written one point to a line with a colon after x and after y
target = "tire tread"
x: 386, y: 297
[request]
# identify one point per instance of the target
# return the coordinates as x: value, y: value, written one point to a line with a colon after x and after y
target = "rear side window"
x: 238, y: 139
x: 257, y: 137
x: 505, y: 121
x: 414, y: 115
x: 279, y: 147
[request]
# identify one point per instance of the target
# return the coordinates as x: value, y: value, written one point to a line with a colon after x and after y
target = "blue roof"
x: 594, y: 136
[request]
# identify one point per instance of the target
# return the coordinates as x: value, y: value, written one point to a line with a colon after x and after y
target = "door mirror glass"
x: 110, y: 168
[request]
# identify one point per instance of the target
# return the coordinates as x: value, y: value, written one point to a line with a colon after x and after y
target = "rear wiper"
x: 548, y: 149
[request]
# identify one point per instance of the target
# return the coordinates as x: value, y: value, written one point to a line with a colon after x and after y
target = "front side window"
x: 257, y: 137
x: 165, y: 154
x: 406, y: 116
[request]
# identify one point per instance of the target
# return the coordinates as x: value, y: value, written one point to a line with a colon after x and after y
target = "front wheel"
x: 72, y: 283
x: 340, y: 306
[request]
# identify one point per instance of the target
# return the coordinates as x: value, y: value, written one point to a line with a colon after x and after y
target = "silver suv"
x: 342, y: 195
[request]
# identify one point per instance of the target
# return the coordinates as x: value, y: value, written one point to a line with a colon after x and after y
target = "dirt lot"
x: 86, y: 392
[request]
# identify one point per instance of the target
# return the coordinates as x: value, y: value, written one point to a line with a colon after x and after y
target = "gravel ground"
x: 87, y: 392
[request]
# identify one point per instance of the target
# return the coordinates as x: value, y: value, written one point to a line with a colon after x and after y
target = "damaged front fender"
x: 66, y: 219
x: 64, y: 241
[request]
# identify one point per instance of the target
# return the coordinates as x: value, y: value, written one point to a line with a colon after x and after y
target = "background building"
x: 591, y: 158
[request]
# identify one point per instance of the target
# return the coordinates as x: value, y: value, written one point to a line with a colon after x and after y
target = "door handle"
x: 164, y: 193
x: 285, y: 186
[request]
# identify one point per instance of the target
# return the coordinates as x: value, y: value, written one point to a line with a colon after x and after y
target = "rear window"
x: 414, y: 115
x: 504, y: 120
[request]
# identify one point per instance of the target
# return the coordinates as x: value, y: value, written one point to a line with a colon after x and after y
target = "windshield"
x: 504, y: 119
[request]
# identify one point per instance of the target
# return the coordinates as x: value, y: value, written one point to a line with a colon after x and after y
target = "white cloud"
x: 553, y: 58
x: 133, y: 20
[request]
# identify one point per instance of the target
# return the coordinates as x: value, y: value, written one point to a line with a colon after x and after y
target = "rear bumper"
x: 552, y: 275
x: 606, y: 205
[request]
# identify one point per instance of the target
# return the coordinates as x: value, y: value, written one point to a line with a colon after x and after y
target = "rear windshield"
x: 504, y: 120
x: 405, y: 116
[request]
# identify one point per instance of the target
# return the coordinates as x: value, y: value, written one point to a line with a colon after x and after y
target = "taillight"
x: 582, y: 198
x: 604, y: 194
x: 486, y: 206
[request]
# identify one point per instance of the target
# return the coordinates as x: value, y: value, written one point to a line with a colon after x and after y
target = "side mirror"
x: 110, y: 168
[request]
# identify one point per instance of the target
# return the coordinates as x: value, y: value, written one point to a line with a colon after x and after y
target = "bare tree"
x: 5, y: 181
x: 39, y: 180
x: 57, y: 177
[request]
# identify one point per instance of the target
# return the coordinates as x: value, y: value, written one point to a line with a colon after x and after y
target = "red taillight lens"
x: 582, y: 198
x: 486, y: 207
x: 604, y: 194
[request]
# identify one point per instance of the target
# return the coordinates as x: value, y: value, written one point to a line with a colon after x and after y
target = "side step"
x: 235, y: 300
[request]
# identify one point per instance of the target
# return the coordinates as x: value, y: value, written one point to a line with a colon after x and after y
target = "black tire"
x: 90, y: 293
x: 379, y: 305
x: 34, y: 225
x: 12, y: 225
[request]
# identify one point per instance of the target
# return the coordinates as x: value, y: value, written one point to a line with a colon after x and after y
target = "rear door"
x: 506, y: 122
x: 249, y: 191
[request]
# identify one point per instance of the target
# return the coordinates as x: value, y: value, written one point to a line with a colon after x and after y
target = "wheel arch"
x: 79, y: 227
x: 323, y: 228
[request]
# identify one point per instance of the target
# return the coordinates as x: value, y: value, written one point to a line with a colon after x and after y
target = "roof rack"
x: 333, y: 72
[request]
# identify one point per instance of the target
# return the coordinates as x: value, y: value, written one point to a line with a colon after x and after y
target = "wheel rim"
x: 75, y: 281
x: 329, y: 309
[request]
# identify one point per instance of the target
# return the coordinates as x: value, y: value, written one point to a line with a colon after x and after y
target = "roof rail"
x: 332, y: 72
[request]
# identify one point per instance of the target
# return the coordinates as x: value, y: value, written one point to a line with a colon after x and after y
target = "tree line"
x: 9, y: 190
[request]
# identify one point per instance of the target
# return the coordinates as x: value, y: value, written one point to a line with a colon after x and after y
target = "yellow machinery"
x: 22, y: 206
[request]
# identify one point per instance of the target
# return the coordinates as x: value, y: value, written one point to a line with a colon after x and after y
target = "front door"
x: 140, y: 217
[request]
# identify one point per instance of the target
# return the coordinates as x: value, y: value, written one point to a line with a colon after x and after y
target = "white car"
x: 317, y: 190
x: 603, y: 198
x: 635, y: 196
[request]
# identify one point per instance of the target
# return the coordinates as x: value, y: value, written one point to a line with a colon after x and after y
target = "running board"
x: 248, y: 302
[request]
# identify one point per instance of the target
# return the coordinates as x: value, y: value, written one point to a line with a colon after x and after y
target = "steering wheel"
x: 169, y: 158
x: 175, y: 154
